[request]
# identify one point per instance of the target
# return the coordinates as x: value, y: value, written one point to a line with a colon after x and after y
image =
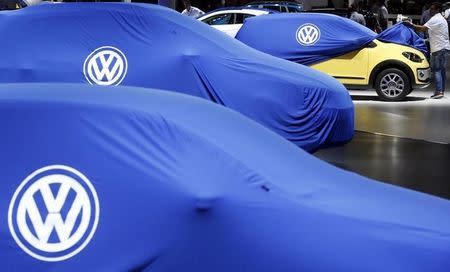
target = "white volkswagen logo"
x: 106, y: 66
x: 54, y: 213
x: 308, y: 34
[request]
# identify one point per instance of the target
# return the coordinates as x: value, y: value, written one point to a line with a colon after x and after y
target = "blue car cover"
x: 154, y: 47
x: 123, y: 179
x: 309, y: 38
x: 403, y: 34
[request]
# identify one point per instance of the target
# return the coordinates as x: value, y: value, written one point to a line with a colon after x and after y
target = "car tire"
x: 392, y: 84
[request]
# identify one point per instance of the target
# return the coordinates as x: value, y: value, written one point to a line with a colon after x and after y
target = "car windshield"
x: 294, y: 9
x: 273, y: 7
x: 221, y: 19
x: 240, y: 17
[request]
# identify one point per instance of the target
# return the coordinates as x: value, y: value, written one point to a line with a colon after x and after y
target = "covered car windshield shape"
x: 176, y: 183
x: 310, y: 38
x: 150, y: 46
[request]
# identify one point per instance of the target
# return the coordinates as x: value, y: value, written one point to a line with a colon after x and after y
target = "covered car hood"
x: 123, y: 179
x: 308, y: 38
x: 155, y: 47
x: 403, y: 34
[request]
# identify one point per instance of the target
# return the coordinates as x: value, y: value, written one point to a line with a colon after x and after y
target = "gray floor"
x: 417, y: 118
x: 402, y: 143
x: 414, y: 164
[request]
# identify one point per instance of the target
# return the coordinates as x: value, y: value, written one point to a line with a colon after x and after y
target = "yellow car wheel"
x: 392, y: 84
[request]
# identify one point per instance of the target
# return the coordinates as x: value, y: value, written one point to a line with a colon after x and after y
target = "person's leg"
x: 439, y: 72
x: 436, y: 68
x: 444, y: 69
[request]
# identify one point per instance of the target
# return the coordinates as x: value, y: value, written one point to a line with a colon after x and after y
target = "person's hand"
x: 408, y: 24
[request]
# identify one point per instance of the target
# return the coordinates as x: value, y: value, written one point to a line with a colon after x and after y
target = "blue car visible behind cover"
x: 123, y: 179
x: 330, y: 36
x: 155, y: 47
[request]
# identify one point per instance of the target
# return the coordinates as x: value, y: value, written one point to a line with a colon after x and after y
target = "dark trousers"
x: 438, y: 66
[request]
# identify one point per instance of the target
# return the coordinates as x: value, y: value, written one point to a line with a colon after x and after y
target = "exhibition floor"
x: 418, y: 117
x: 403, y: 143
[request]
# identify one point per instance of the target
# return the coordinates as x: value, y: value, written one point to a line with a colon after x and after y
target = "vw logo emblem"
x: 106, y: 66
x: 308, y: 34
x: 54, y: 213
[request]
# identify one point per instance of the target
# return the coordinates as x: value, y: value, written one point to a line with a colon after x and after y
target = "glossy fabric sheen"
x: 165, y: 50
x: 276, y: 35
x: 186, y: 185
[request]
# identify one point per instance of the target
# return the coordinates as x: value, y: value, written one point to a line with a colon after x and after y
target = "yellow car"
x: 393, y: 70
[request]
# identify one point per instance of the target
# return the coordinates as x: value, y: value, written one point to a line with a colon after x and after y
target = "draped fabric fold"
x: 154, y: 47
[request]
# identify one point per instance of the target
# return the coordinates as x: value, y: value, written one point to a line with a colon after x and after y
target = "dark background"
x: 394, y: 6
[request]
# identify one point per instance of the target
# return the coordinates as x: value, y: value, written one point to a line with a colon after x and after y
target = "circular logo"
x: 308, y: 34
x: 54, y: 213
x: 106, y: 66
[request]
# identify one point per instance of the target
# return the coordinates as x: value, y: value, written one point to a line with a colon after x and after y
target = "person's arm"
x: 384, y: 13
x: 418, y: 28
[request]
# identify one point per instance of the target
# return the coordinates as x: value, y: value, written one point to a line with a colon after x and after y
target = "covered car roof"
x: 309, y: 38
x: 155, y: 47
x: 123, y: 179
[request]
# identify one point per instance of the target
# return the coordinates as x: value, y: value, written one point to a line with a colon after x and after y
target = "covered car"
x: 155, y: 47
x: 123, y: 179
x: 392, y: 62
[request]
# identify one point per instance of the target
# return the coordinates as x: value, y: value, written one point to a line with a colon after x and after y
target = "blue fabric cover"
x: 186, y: 185
x: 277, y: 35
x: 165, y: 50
x: 403, y: 34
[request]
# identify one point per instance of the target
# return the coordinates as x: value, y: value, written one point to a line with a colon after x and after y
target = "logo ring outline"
x: 19, y: 190
x: 87, y: 65
x: 313, y: 30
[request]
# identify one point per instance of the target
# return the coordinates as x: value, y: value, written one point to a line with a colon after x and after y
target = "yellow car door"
x: 351, y: 68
